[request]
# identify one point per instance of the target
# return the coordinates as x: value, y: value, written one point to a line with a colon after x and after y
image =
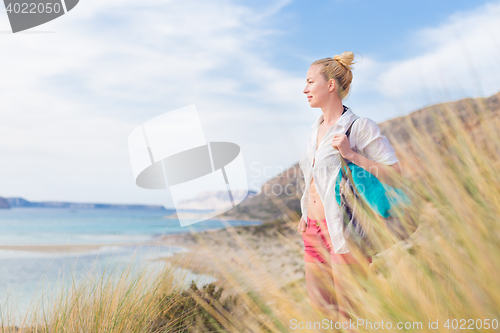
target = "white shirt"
x: 365, y: 139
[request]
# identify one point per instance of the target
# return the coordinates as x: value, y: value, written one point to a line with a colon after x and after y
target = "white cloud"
x: 459, y: 58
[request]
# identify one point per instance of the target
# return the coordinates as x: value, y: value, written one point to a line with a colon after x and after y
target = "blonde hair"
x: 339, y: 69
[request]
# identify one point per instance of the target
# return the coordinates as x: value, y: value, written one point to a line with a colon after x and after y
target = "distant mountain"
x: 4, y: 204
x: 20, y: 202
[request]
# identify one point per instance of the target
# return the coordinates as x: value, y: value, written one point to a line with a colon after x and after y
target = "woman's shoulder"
x: 365, y: 125
x: 365, y: 122
x: 364, y: 131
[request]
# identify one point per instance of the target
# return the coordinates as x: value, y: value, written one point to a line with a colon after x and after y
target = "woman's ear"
x: 331, y: 85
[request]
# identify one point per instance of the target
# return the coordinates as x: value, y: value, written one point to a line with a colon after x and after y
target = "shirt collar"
x: 343, y: 121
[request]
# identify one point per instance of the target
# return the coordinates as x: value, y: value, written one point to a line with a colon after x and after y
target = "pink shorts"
x: 318, y: 245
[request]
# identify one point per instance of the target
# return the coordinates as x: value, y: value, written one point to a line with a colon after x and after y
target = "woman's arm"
x: 388, y: 174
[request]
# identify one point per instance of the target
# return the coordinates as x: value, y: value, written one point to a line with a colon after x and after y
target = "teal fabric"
x: 385, y: 200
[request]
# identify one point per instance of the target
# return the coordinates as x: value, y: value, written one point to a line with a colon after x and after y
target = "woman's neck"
x: 332, y: 113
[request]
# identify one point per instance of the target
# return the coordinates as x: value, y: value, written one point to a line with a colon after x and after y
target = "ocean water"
x: 27, y: 275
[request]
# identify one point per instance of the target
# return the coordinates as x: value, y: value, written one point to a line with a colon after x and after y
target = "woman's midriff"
x: 315, y: 208
x: 316, y: 211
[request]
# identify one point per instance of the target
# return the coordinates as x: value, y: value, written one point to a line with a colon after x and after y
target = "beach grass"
x: 444, y: 278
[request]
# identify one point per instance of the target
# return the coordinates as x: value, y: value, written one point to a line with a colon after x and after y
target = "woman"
x: 327, y: 259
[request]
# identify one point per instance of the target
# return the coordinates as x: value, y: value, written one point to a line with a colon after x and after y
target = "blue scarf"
x: 383, y: 199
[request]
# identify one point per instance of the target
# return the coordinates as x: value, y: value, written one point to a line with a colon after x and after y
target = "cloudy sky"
x: 73, y: 89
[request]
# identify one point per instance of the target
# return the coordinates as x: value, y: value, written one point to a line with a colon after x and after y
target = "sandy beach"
x: 276, y: 248
x: 79, y: 248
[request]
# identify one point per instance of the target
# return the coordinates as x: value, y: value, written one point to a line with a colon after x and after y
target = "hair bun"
x: 346, y: 59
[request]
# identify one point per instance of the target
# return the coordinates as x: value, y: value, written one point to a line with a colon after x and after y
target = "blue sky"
x: 382, y: 29
x: 73, y: 89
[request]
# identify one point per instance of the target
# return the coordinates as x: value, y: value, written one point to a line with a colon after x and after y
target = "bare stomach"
x: 315, y: 208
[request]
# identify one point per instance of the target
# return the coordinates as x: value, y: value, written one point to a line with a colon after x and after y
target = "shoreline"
x: 53, y: 248
x: 273, y: 247
x: 185, y: 240
x: 76, y: 248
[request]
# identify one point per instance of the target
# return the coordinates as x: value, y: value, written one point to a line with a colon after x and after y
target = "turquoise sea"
x: 24, y: 275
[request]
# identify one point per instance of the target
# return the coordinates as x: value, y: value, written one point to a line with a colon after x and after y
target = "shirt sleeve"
x: 372, y: 143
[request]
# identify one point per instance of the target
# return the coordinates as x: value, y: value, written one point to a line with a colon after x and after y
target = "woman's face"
x: 317, y: 88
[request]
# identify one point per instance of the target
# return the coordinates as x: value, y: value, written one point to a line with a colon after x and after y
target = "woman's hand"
x: 301, y: 228
x: 341, y: 143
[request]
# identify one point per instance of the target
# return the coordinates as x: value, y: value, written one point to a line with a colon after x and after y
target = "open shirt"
x: 365, y: 139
